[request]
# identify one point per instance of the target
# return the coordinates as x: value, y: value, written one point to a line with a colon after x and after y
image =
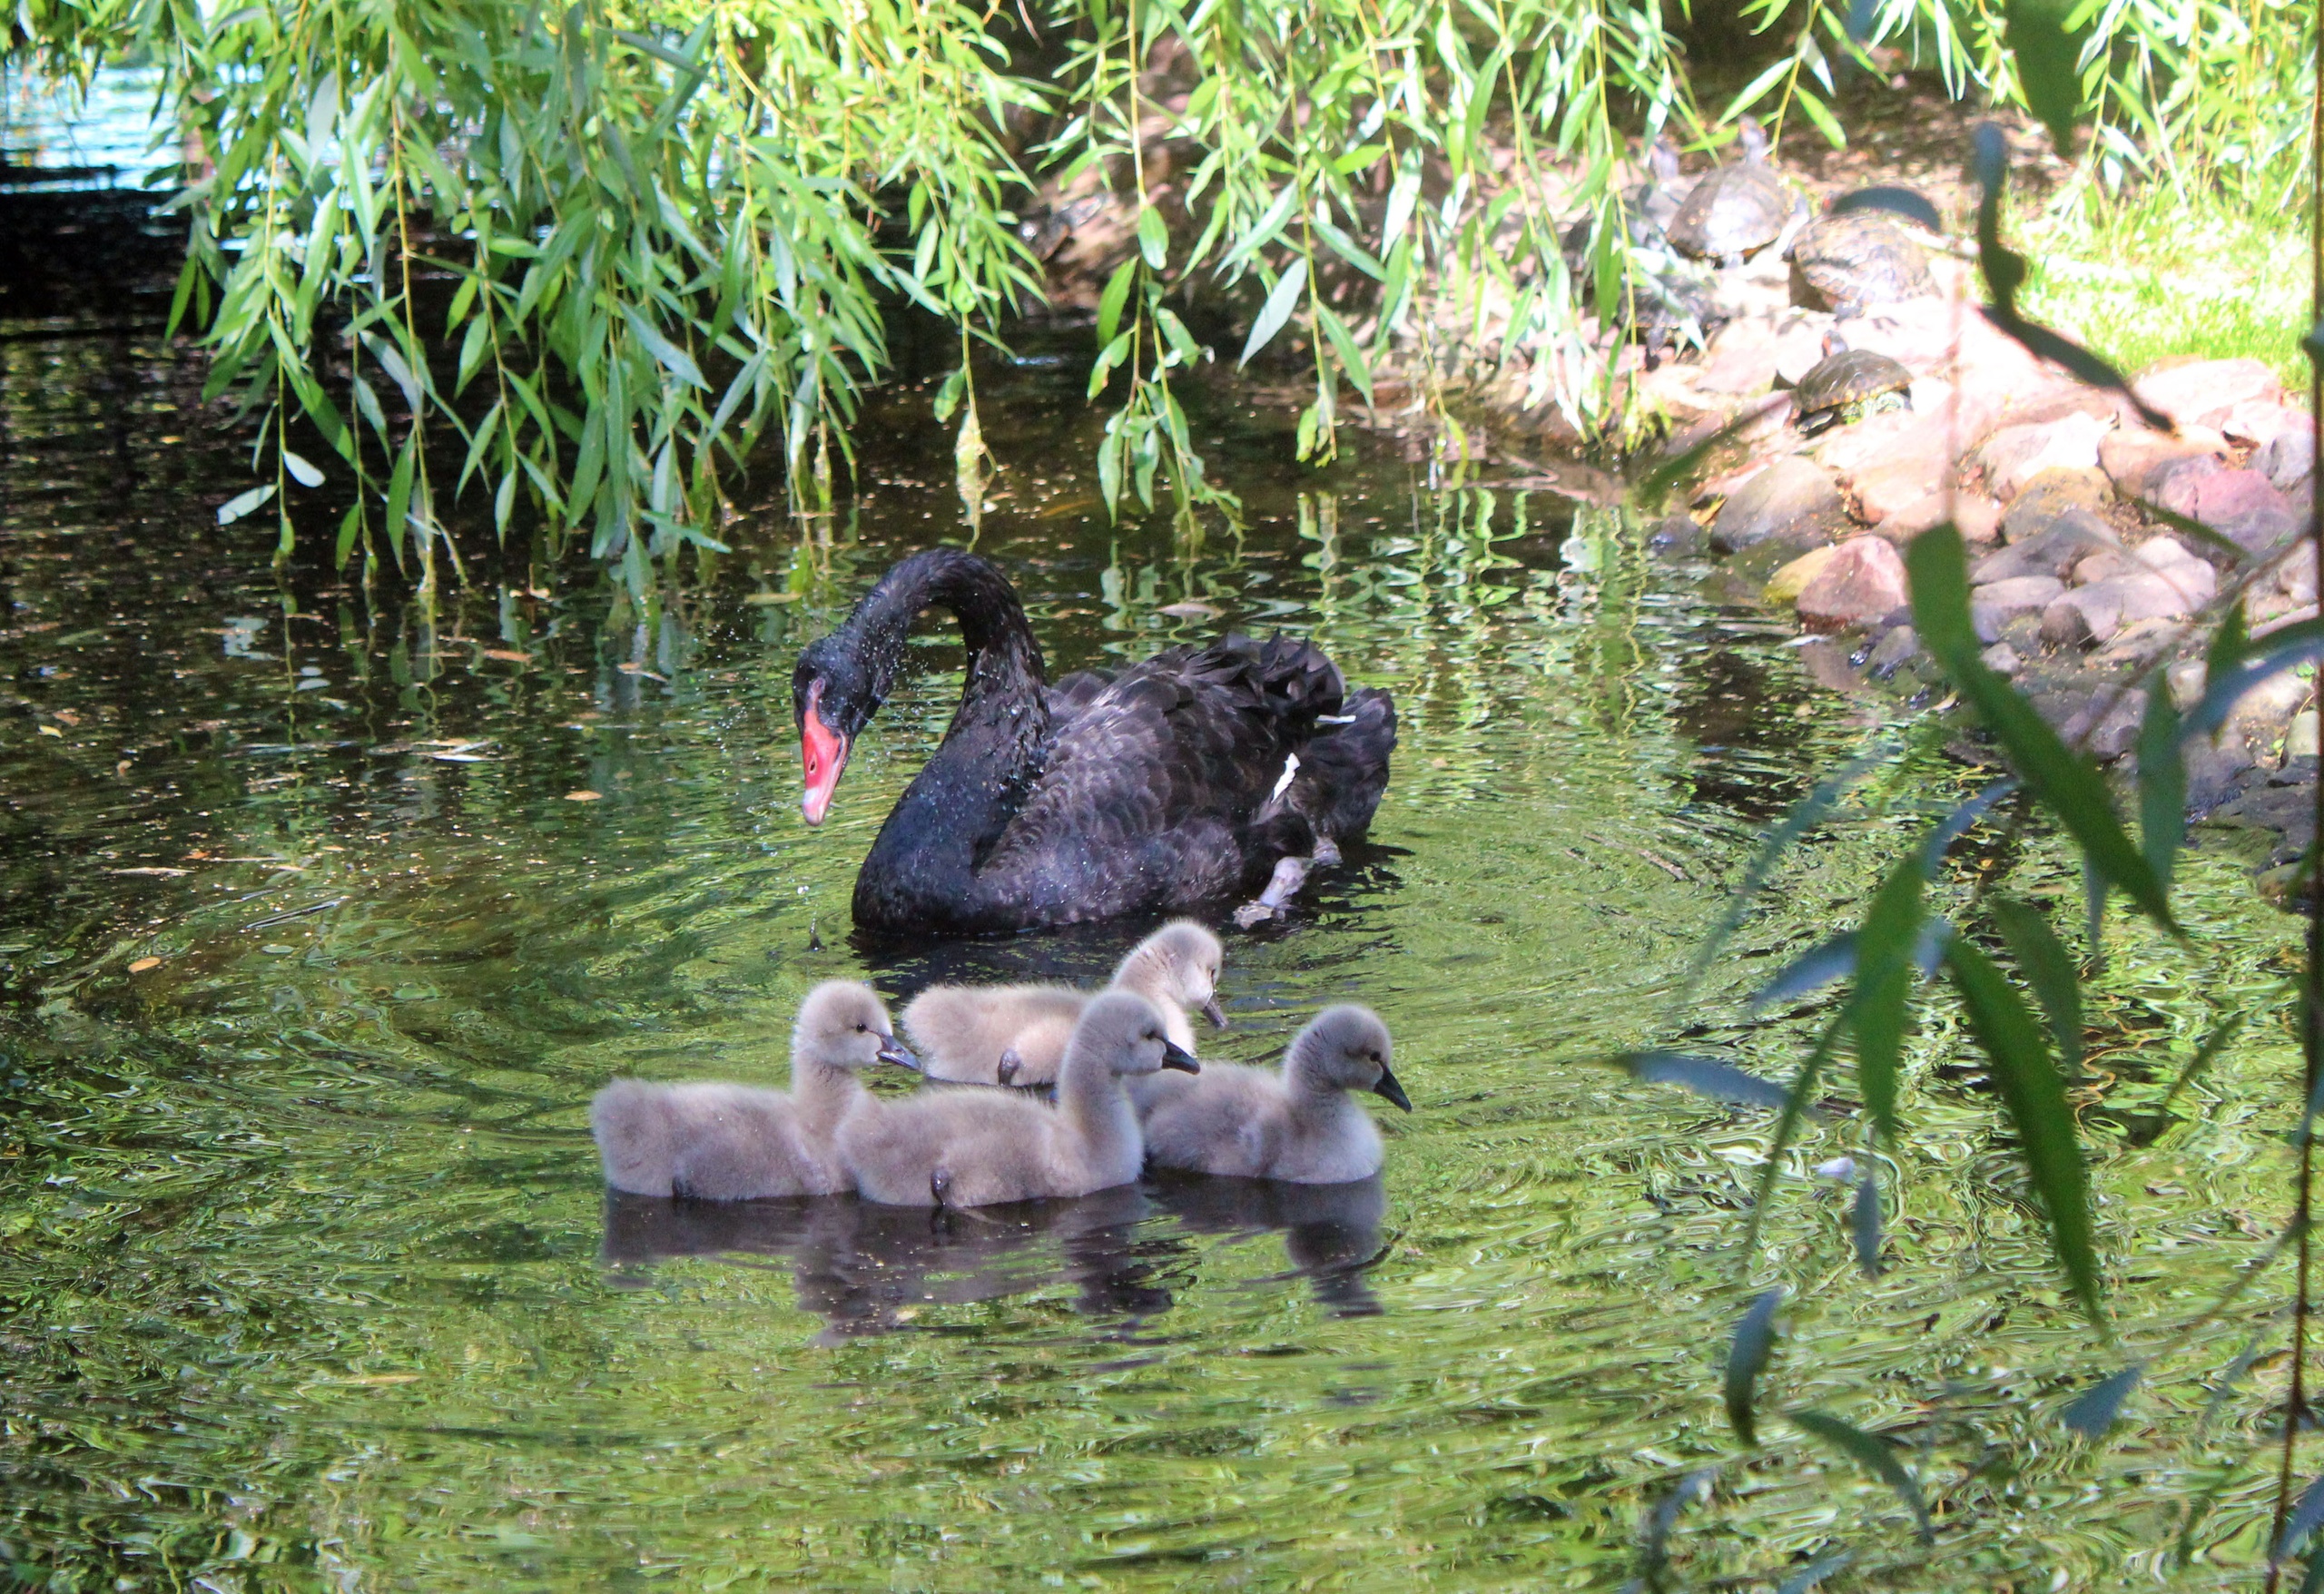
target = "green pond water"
x: 312, y: 952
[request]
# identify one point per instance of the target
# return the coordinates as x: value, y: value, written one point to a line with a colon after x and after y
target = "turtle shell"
x: 1733, y: 210
x: 1858, y: 258
x: 1853, y: 376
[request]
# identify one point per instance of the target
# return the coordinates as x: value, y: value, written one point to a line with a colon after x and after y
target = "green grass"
x: 2169, y: 279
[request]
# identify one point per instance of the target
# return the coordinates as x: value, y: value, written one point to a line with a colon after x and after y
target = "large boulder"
x: 2204, y: 392
x: 2132, y: 456
x: 1863, y: 582
x: 1791, y: 500
x: 2015, y: 455
x: 2241, y: 505
x: 2062, y: 541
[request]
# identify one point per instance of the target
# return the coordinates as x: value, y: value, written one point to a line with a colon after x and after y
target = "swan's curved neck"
x: 928, y: 850
x: 1003, y: 658
x: 1090, y: 1095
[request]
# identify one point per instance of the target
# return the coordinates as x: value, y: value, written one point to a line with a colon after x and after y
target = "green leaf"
x: 1747, y: 1358
x: 1110, y: 302
x: 1351, y: 362
x: 1182, y: 342
x: 673, y: 359
x: 1112, y: 355
x: 1884, y: 979
x: 2162, y: 784
x: 2067, y: 783
x: 1281, y: 300
x: 302, y: 472
x: 1153, y: 238
x: 2049, y: 969
x: 1873, y: 1454
x: 2035, y: 1100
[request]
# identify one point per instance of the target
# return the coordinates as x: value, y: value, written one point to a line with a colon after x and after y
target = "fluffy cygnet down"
x: 975, y: 1147
x: 721, y: 1142
x: 1017, y: 1034
x: 1297, y: 1125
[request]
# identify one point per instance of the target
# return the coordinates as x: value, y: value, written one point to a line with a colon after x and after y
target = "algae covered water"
x: 322, y: 917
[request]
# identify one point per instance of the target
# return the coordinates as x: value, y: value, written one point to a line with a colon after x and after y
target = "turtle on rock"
x: 1847, y: 385
x: 1854, y: 259
x: 1735, y: 210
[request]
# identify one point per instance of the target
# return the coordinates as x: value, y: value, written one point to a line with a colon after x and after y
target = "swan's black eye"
x: 863, y: 1029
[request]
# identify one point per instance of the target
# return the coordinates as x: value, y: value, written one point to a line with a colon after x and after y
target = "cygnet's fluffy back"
x: 973, y: 1148
x: 1298, y: 1124
x: 723, y: 1141
x: 1017, y: 1034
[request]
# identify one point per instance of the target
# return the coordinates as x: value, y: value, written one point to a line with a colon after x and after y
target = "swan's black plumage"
x: 1153, y: 789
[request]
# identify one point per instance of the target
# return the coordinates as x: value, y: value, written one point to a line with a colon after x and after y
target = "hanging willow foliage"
x: 577, y: 264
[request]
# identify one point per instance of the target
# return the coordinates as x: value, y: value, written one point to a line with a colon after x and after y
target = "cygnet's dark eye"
x: 863, y: 1029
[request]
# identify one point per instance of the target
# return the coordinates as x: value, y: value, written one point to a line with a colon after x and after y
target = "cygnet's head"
x: 1347, y: 1049
x: 1125, y: 1030
x: 1179, y: 962
x: 844, y: 1023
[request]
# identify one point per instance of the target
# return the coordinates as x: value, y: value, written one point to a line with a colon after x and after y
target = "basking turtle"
x: 1845, y: 262
x: 1893, y: 199
x: 1735, y: 210
x: 1846, y: 385
x: 1670, y: 306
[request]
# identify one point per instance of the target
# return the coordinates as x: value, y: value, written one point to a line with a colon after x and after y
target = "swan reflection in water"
x: 864, y: 1268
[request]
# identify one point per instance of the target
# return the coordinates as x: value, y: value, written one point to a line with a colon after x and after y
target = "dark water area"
x: 322, y: 917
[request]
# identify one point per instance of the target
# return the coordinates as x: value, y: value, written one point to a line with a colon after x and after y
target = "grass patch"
x: 2168, y: 279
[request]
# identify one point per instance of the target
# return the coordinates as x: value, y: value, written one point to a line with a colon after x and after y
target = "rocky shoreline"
x: 2086, y: 526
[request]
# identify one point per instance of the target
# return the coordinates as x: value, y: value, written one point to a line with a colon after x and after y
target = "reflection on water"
x: 322, y: 917
x: 864, y: 1268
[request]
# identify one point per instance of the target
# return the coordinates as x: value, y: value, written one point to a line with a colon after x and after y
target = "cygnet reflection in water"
x: 864, y: 1268
x: 1330, y: 1233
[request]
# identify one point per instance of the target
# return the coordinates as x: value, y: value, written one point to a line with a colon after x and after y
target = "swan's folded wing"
x: 1148, y: 792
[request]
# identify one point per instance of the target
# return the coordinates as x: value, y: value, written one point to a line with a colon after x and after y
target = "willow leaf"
x: 2066, y: 781
x: 2035, y: 1099
x: 2049, y: 969
x: 1747, y: 1358
x: 1864, y: 1226
x: 1703, y: 1076
x: 2092, y: 1411
x: 1884, y: 981
x: 2162, y: 785
x: 1281, y: 300
x: 1870, y: 1452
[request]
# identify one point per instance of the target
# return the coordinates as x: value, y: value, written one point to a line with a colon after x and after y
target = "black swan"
x: 1204, y: 772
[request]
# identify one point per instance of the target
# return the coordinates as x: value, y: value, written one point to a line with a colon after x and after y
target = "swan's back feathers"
x: 1149, y: 792
x: 1344, y: 773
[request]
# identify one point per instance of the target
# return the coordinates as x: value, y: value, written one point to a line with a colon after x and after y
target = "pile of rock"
x: 2079, y: 585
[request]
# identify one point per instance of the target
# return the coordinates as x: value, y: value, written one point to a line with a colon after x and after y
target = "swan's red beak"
x: 824, y: 751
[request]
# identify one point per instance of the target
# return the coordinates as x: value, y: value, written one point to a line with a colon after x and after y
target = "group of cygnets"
x: 1129, y: 1092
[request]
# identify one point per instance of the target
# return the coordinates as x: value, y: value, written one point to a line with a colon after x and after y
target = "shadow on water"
x: 864, y: 1268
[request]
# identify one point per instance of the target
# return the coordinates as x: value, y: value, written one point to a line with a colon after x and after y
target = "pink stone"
x: 2261, y: 422
x: 2244, y: 505
x: 2134, y: 458
x: 2015, y: 455
x: 1864, y: 580
x: 2202, y: 392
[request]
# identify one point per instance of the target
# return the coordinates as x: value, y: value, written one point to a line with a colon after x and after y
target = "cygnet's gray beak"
x: 1175, y: 1056
x: 1006, y: 1069
x: 1392, y: 1090
x: 892, y: 1051
x: 1214, y: 1013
